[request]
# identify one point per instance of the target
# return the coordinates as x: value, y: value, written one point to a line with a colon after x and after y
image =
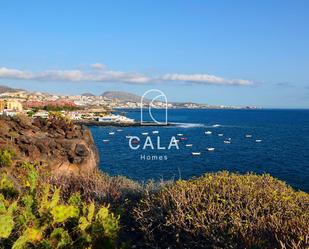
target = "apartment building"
x: 2, y: 105
x: 10, y: 105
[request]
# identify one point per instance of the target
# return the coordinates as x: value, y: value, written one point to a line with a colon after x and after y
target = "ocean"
x: 279, y: 145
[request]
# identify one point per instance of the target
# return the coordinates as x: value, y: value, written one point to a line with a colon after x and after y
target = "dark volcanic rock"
x: 81, y: 150
x: 65, y: 147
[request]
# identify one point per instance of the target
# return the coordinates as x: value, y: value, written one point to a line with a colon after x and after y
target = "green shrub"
x: 5, y: 158
x: 37, y: 217
x: 226, y: 210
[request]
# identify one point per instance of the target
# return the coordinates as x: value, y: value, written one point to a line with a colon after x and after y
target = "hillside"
x: 122, y: 96
x: 5, y: 89
x: 88, y: 95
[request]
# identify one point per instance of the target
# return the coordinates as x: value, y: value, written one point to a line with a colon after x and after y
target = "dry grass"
x: 225, y: 210
x: 97, y: 186
x: 122, y: 193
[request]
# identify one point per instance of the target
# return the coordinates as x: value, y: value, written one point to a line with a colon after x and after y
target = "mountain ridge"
x: 122, y: 96
x: 5, y: 89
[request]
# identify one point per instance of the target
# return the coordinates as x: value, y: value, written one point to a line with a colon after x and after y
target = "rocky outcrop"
x: 60, y: 144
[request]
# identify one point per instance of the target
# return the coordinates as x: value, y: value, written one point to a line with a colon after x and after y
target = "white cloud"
x: 14, y: 74
x: 205, y: 79
x: 98, y: 66
x: 102, y: 74
x: 74, y: 75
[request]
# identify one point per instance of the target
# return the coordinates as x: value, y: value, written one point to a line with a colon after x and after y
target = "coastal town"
x: 85, y: 107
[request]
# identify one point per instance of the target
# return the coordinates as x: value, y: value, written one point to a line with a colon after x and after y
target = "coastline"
x: 141, y: 203
x: 119, y: 124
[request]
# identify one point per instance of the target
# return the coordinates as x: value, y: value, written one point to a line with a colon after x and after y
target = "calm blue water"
x: 283, y: 152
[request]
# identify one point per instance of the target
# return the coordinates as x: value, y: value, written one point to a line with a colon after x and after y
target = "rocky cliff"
x: 61, y: 145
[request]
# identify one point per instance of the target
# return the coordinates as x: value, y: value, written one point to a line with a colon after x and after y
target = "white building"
x: 41, y: 114
x: 115, y: 118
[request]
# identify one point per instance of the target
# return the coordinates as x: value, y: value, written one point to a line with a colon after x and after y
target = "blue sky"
x: 216, y: 52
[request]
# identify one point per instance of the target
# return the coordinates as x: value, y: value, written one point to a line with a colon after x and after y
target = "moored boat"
x: 196, y: 153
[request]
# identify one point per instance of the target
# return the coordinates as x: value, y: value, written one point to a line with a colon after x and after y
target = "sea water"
x: 278, y: 145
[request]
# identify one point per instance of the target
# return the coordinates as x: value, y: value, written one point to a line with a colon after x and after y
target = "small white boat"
x: 196, y: 153
x: 179, y: 135
x: 111, y: 133
x: 220, y: 135
x: 258, y: 140
x: 208, y: 132
x: 119, y: 130
x: 145, y: 133
x: 188, y: 145
x: 155, y: 132
x: 210, y: 149
x: 248, y: 136
x: 227, y: 141
x: 105, y: 140
x: 216, y: 125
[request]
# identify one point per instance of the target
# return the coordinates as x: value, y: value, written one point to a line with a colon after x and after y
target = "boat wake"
x: 197, y: 125
x: 188, y: 125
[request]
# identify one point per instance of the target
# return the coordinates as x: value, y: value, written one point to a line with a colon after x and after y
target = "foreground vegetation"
x: 33, y: 215
x: 226, y: 210
x: 219, y: 210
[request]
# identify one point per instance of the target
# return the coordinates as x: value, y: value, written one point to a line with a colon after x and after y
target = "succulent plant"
x: 36, y: 216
